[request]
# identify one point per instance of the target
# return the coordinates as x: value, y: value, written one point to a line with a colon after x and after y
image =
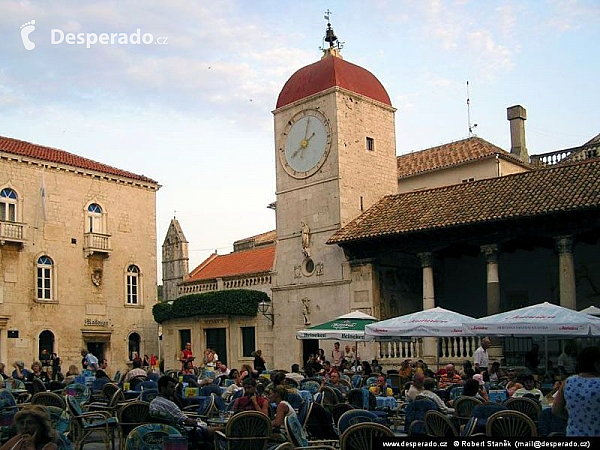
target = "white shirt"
x: 480, y: 358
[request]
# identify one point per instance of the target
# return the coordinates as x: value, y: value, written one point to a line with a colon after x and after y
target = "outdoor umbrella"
x: 593, y: 310
x: 435, y: 322
x: 542, y: 319
x: 349, y: 327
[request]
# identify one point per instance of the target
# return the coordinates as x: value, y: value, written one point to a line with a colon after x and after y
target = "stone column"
x: 566, y: 272
x: 429, y: 343
x: 428, y: 291
x: 493, y: 281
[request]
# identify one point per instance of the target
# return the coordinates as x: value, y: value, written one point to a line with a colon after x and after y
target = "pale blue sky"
x: 195, y: 114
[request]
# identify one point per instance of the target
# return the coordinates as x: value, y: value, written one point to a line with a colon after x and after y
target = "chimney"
x: 517, y: 115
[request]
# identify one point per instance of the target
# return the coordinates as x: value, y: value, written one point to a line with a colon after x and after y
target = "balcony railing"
x: 449, y: 349
x: 12, y: 232
x: 97, y: 243
x: 567, y: 155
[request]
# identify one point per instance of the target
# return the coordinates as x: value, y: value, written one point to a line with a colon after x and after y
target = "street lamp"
x: 265, y: 309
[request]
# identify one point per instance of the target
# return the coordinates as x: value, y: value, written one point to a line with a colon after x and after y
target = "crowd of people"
x: 574, y: 396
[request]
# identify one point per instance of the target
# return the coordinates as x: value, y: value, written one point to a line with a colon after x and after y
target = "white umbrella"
x: 542, y: 319
x: 430, y: 322
x: 593, y: 310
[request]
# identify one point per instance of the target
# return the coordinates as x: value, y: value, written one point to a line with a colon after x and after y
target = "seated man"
x: 449, y: 378
x: 334, y: 382
x: 381, y: 388
x: 136, y: 371
x: 428, y: 387
x: 164, y: 408
x: 416, y: 387
x: 250, y: 401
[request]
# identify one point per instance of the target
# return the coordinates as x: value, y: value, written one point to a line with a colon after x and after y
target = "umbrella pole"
x: 546, y: 350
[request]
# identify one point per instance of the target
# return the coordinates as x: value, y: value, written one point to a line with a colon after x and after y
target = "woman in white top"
x: 284, y: 409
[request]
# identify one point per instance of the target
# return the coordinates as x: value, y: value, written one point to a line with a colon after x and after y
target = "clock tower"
x: 336, y: 156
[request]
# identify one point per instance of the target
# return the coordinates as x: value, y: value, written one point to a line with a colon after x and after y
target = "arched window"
x: 46, y: 342
x: 134, y: 345
x: 8, y: 205
x: 45, y: 268
x: 95, y: 222
x: 133, y: 285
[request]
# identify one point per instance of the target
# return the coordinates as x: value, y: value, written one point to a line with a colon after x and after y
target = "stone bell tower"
x: 335, y: 157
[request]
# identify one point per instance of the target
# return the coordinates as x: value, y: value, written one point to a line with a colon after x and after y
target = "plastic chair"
x: 248, y: 429
x: 439, y: 425
x: 148, y: 395
x: 353, y: 417
x: 86, y: 423
x: 527, y: 406
x: 463, y: 406
x: 356, y: 381
x: 294, y: 431
x: 117, y: 376
x: 48, y: 399
x: 294, y: 400
x: 80, y: 392
x: 510, y: 423
x: 149, y: 436
x: 338, y: 410
x: 319, y: 423
x: 311, y: 385
x: 360, y: 436
x: 303, y: 412
x: 131, y: 416
x: 59, y: 418
x: 483, y: 412
x: 415, y: 412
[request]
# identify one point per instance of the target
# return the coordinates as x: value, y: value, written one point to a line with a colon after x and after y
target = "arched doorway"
x: 134, y: 345
x: 45, y: 347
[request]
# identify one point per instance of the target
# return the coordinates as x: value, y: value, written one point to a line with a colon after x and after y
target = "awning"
x: 96, y: 335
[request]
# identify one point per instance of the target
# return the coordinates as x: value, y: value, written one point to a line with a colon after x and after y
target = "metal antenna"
x: 471, y: 134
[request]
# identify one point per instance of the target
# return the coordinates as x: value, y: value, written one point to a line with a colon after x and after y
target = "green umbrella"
x: 349, y: 327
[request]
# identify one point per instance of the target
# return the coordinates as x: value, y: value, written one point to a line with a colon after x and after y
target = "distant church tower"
x: 175, y: 260
x: 336, y: 157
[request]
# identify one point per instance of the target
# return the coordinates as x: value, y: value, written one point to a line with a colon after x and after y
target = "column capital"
x: 491, y: 252
x: 564, y: 244
x: 426, y: 258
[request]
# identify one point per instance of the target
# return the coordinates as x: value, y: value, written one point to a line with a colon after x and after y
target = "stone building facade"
x: 77, y: 257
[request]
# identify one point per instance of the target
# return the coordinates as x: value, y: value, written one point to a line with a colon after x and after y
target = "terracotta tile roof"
x: 329, y: 72
x: 451, y: 154
x: 529, y: 194
x: 246, y: 262
x: 27, y: 149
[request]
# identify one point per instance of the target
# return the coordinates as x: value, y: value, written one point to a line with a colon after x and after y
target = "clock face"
x: 307, y: 143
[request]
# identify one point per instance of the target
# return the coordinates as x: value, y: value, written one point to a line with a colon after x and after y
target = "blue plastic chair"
x: 294, y: 400
x: 303, y: 412
x: 295, y: 431
x: 147, y: 395
x: 150, y: 436
x: 356, y: 381
x: 483, y: 412
x: 415, y: 412
x: 311, y: 386
x: 353, y: 417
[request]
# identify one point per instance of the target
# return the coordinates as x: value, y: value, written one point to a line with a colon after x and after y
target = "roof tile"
x: 528, y: 194
x: 451, y: 154
x: 244, y: 262
x: 23, y: 148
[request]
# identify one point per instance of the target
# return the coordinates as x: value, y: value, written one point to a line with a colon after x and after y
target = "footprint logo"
x: 26, y: 30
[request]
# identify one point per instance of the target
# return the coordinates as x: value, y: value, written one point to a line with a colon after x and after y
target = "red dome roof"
x: 328, y: 72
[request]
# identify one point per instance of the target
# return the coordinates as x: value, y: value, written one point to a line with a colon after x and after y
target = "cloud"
x: 493, y: 56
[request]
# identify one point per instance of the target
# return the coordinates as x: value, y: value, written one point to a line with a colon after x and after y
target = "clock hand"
x: 296, y: 152
x: 311, y: 136
x: 306, y: 130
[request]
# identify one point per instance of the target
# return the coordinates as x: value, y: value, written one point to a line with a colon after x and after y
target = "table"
x: 386, y: 402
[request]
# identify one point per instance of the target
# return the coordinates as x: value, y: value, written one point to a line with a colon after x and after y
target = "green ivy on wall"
x: 234, y: 302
